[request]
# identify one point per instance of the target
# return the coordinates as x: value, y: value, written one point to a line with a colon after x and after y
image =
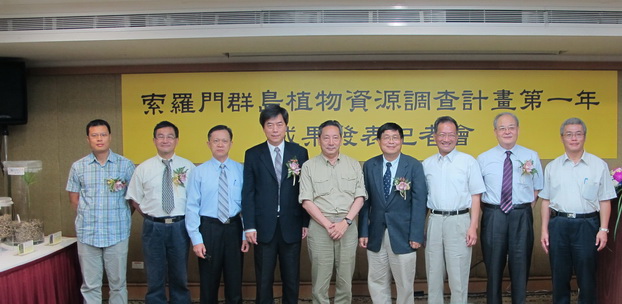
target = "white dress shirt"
x: 577, y: 188
x: 452, y: 180
x: 146, y: 186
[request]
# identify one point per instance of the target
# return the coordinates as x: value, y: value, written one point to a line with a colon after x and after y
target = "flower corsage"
x: 293, y: 169
x: 115, y: 184
x: 527, y: 167
x: 180, y: 176
x: 402, y: 185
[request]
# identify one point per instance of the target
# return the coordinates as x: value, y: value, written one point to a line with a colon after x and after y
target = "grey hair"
x: 573, y: 121
x: 494, y: 123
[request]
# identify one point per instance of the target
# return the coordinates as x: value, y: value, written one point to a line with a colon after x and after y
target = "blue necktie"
x: 386, y: 180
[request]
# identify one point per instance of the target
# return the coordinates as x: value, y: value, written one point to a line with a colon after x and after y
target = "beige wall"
x: 60, y: 107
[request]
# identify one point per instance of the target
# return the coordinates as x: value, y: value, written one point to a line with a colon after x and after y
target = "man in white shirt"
x: 158, y: 192
x: 455, y: 185
x: 575, y: 214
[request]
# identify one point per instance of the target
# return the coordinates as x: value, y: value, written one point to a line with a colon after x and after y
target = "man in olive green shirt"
x: 332, y: 191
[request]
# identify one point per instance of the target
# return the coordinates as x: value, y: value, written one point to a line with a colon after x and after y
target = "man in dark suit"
x: 273, y: 219
x: 391, y: 222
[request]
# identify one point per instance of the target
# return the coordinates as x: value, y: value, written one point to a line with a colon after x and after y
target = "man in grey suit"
x: 392, y: 220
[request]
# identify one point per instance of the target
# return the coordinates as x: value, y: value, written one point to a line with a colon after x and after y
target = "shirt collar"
x: 450, y: 156
x: 393, y: 162
x: 162, y: 159
x: 217, y: 163
x: 502, y: 149
x: 583, y: 158
x: 112, y: 157
x: 327, y: 161
x: 281, y: 146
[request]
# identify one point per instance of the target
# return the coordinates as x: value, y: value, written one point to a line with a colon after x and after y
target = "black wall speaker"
x: 13, y: 107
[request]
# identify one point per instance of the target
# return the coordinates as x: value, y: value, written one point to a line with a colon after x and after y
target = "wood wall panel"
x: 63, y: 100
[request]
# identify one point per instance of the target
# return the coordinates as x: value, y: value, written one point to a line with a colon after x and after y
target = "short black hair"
x: 444, y: 119
x: 165, y: 124
x: 271, y: 111
x: 95, y: 123
x: 218, y: 128
x: 333, y: 123
x: 390, y: 126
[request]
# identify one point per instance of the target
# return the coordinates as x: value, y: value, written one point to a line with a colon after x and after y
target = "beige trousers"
x: 446, y: 250
x: 383, y: 265
x: 326, y: 253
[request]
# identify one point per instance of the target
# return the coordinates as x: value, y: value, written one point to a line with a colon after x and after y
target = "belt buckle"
x: 168, y: 221
x: 571, y: 215
x: 227, y: 222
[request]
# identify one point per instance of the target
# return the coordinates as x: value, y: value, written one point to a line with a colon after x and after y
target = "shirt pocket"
x: 458, y: 180
x: 236, y: 194
x: 322, y: 186
x: 348, y: 184
x: 525, y: 184
x: 589, y: 191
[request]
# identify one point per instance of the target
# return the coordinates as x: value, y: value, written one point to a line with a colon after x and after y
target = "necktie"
x: 223, y: 196
x: 278, y: 164
x: 506, y: 185
x: 386, y: 181
x: 168, y: 200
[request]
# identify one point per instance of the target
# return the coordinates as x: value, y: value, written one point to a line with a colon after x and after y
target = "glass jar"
x: 6, y: 213
x: 23, y: 180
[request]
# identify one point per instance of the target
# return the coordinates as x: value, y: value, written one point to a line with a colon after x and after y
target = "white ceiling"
x: 308, y: 42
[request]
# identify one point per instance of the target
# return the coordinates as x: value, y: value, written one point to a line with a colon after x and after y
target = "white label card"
x: 16, y: 171
x: 25, y: 248
x: 55, y: 238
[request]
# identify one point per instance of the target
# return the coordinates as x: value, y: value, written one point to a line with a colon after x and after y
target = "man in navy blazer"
x: 391, y: 222
x: 274, y: 221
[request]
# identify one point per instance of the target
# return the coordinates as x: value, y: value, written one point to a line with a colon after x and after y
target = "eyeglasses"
x: 163, y: 137
x: 570, y: 135
x: 390, y: 138
x: 447, y: 135
x: 504, y: 129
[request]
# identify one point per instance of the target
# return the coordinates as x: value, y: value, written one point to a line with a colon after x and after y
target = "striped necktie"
x: 168, y: 199
x: 223, y: 195
x: 506, y: 185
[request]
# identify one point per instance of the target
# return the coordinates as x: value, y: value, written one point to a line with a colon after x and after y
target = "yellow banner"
x: 363, y: 100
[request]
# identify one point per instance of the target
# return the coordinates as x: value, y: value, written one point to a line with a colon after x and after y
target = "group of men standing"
x: 222, y: 208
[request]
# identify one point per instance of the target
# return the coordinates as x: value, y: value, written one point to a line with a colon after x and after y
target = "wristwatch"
x: 349, y: 221
x: 603, y: 229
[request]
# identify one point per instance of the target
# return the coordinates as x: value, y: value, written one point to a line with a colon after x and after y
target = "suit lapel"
x: 287, y: 156
x: 266, y: 159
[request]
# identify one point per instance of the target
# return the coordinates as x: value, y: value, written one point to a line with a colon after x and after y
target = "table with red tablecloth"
x: 49, y: 275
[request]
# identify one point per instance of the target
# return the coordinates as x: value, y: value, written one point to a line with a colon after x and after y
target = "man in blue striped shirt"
x: 97, y: 184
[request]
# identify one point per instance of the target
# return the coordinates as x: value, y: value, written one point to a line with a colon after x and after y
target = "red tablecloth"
x: 54, y: 278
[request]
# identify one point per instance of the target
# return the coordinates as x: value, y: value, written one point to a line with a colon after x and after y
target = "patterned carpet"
x: 532, y: 297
